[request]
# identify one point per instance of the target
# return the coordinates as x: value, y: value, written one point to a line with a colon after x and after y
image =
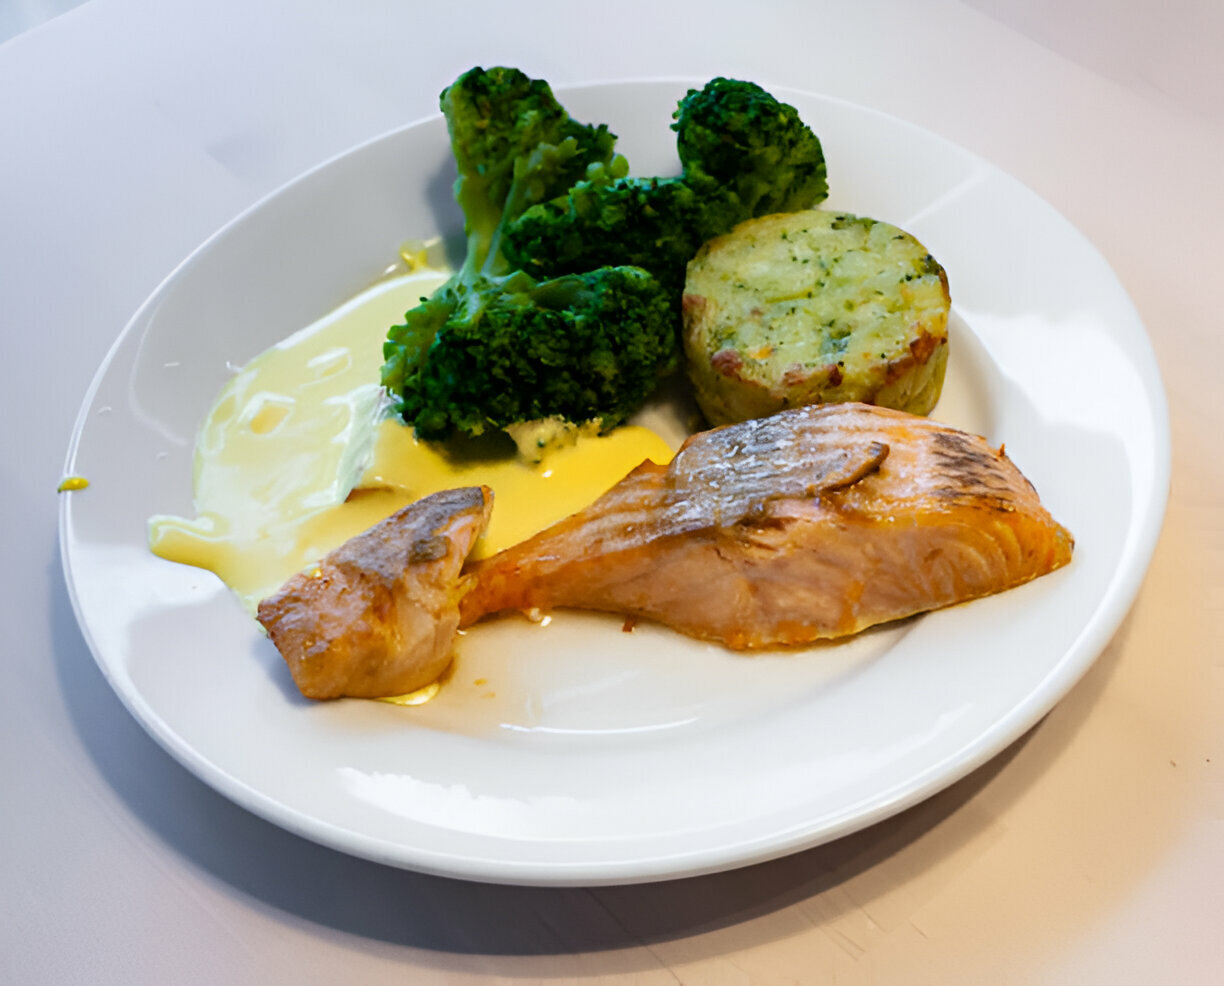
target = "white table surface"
x: 1092, y: 851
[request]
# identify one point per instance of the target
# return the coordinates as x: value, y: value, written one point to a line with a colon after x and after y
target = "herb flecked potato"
x: 814, y: 307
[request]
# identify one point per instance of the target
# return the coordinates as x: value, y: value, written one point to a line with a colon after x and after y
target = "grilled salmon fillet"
x: 813, y: 523
x: 378, y: 615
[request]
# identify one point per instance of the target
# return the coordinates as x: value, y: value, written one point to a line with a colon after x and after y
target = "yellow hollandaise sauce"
x: 298, y: 455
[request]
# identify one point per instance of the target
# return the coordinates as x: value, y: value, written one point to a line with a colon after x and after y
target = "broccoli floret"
x: 744, y: 140
x: 581, y: 347
x: 743, y: 154
x: 654, y: 223
x: 514, y: 145
x: 494, y: 346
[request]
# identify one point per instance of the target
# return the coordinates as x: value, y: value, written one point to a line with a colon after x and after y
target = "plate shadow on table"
x: 317, y: 885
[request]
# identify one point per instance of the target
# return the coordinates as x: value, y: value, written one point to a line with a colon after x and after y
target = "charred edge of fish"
x: 437, y: 509
x: 968, y: 463
x: 975, y: 498
x: 427, y: 549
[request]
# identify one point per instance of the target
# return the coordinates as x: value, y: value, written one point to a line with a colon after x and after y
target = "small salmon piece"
x: 379, y: 614
x: 813, y: 523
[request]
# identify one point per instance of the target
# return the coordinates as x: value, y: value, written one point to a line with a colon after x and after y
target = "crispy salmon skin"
x: 813, y: 523
x: 378, y: 616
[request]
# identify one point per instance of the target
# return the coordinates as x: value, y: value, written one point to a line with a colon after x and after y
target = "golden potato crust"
x: 814, y: 307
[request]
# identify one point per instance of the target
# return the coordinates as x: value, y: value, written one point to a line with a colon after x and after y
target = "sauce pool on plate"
x: 299, y: 454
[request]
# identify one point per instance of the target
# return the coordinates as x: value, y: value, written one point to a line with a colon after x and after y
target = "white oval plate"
x: 577, y: 753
